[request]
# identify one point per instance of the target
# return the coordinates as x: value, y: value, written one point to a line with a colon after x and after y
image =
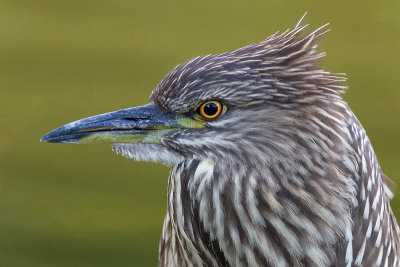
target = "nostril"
x: 134, y: 119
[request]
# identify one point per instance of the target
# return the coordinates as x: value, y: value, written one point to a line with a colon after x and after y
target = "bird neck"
x: 228, y: 215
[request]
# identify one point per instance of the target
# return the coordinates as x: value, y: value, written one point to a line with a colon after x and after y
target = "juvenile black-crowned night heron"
x: 270, y: 167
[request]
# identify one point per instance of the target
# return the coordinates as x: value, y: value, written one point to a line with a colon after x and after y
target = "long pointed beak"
x: 139, y: 124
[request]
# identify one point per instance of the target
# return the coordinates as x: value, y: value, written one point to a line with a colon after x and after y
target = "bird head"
x: 250, y: 104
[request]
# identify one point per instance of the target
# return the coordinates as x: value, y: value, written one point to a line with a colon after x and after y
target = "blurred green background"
x: 82, y: 205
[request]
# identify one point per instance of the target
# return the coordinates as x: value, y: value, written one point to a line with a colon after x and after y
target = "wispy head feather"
x: 281, y: 70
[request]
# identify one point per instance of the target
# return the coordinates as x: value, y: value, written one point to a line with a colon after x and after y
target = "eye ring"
x: 210, y: 109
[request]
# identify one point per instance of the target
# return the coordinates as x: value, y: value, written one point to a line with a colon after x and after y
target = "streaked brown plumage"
x: 317, y: 191
x: 284, y: 176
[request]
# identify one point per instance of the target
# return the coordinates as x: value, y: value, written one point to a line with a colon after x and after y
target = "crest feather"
x: 282, y: 69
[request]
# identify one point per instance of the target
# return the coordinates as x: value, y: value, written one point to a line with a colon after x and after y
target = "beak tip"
x: 50, y: 137
x: 58, y: 136
x: 45, y: 139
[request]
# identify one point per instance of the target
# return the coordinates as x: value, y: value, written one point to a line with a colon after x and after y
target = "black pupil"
x: 210, y: 109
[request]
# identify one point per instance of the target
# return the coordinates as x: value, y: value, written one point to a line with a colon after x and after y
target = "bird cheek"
x: 190, y: 123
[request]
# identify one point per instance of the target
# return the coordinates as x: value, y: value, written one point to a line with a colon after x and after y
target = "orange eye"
x: 210, y: 109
